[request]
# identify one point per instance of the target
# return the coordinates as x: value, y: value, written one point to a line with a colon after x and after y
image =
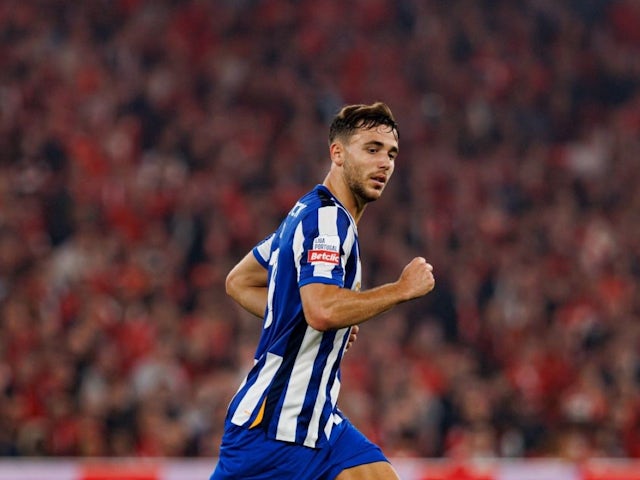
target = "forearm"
x: 328, y: 307
x: 252, y: 299
x: 344, y: 307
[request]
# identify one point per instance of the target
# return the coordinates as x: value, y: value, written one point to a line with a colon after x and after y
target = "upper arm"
x: 323, y: 252
x: 251, y: 271
x: 324, y: 240
x: 247, y: 273
x: 262, y: 251
x: 316, y: 303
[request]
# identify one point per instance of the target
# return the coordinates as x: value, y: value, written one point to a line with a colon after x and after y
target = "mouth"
x: 379, y: 180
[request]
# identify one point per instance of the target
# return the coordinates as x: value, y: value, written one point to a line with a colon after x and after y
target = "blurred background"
x: 146, y: 146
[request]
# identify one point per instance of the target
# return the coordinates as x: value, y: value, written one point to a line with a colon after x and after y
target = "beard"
x: 357, y: 185
x: 359, y: 191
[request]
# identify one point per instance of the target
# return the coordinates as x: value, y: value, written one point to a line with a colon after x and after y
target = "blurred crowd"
x: 146, y: 146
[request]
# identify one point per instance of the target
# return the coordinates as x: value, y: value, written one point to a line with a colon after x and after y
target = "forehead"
x: 381, y: 134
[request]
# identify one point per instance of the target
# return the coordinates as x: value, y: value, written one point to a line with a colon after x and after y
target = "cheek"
x: 354, y: 166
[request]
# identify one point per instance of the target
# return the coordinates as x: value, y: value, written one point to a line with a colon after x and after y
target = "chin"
x: 373, y: 196
x: 367, y: 195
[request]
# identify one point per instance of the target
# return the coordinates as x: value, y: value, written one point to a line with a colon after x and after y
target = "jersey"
x: 292, y: 389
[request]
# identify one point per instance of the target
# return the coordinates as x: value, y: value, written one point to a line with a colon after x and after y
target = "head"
x: 363, y: 143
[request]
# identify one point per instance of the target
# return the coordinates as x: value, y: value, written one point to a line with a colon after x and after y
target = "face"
x: 369, y: 160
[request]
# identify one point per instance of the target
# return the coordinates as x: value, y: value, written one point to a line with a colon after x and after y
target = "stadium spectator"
x: 139, y: 140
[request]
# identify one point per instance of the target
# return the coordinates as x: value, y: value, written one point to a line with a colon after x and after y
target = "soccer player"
x: 304, y: 280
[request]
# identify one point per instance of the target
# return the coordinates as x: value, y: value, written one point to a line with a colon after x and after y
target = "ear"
x: 336, y: 150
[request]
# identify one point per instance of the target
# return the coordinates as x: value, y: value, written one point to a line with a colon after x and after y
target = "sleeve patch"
x: 325, y: 249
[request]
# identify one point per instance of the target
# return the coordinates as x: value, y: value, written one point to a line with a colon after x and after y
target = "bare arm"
x: 328, y: 307
x: 246, y: 283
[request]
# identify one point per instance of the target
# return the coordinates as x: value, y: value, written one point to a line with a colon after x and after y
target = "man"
x: 304, y: 279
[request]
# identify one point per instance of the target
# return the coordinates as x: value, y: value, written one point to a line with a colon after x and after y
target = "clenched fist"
x: 417, y: 278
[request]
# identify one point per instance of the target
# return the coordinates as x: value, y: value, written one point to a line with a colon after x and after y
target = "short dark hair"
x: 352, y: 117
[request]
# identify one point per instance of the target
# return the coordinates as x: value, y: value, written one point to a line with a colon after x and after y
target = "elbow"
x: 231, y: 284
x: 319, y: 319
x: 319, y: 306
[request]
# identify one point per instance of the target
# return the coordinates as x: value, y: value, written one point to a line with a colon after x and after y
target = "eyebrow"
x: 380, y: 144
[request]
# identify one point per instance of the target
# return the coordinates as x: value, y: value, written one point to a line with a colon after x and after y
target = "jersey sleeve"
x: 262, y: 251
x: 320, y: 243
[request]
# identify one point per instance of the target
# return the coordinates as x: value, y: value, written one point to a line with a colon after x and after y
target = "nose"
x: 386, y: 162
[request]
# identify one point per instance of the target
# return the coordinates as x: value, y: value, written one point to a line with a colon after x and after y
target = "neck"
x: 343, y: 193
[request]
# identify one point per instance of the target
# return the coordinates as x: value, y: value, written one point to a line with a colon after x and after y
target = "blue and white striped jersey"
x: 292, y: 389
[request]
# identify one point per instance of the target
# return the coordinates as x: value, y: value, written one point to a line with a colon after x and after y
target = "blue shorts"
x: 250, y: 455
